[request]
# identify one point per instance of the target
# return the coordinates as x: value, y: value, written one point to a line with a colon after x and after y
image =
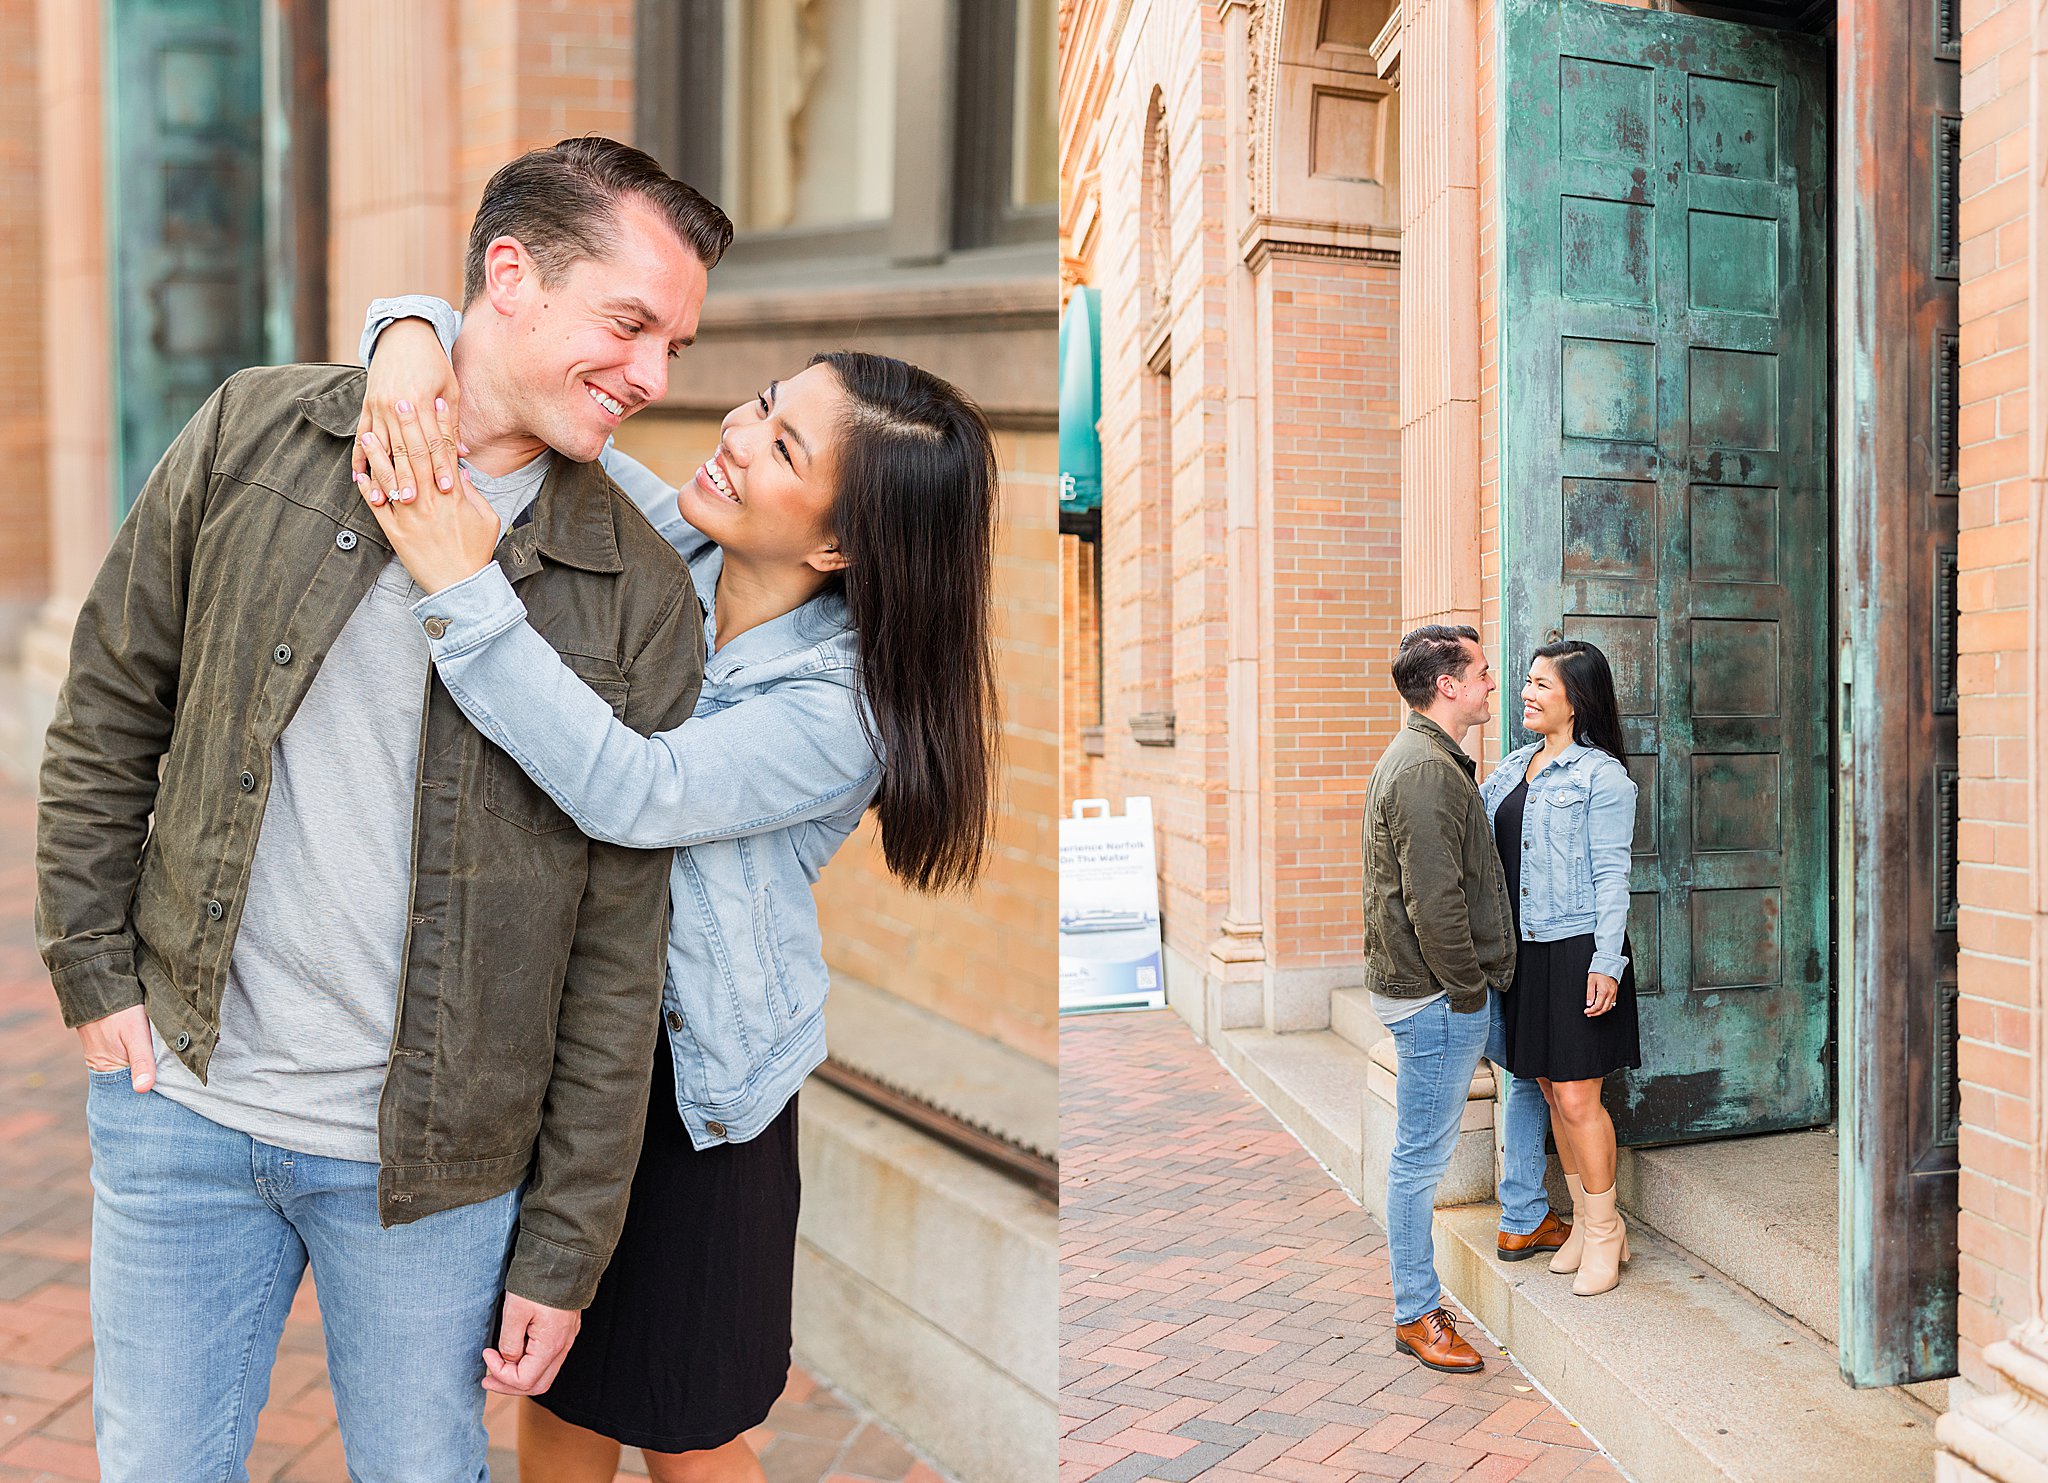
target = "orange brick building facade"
x: 1249, y: 585
x: 1301, y: 456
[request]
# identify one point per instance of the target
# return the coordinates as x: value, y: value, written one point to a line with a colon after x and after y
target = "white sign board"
x: 1109, y: 909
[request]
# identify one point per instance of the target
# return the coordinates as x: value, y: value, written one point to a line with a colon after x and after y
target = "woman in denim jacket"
x: 840, y: 539
x: 1563, y: 810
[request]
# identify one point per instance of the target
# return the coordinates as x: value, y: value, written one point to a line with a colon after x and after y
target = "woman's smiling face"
x: 765, y: 494
x: 1545, y: 711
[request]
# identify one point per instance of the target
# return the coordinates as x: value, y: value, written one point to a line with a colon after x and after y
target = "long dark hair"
x: 1589, y: 691
x: 915, y: 518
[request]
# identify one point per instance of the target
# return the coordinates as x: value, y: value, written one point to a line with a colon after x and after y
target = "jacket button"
x: 248, y: 781
x: 675, y: 1020
x: 716, y: 1130
x: 1525, y: 890
x: 345, y: 540
x: 213, y: 910
x: 435, y: 627
x: 183, y: 1042
x: 282, y: 653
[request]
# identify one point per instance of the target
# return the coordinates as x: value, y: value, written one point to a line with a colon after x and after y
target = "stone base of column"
x: 2001, y: 1436
x: 1234, y: 978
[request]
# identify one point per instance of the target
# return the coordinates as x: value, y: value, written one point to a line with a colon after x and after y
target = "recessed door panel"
x: 1664, y: 495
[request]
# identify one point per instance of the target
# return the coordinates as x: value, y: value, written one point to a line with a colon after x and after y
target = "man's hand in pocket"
x: 121, y: 1042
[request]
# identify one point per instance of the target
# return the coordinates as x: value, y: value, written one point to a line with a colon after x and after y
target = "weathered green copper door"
x: 185, y: 212
x: 1664, y: 494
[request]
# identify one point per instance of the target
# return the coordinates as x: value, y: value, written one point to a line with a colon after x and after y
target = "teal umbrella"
x: 1081, y: 403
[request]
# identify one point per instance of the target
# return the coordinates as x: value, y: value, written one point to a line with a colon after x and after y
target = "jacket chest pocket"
x: 516, y: 798
x: 1564, y: 826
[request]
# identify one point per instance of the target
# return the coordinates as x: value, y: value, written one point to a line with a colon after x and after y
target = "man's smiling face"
x: 593, y: 348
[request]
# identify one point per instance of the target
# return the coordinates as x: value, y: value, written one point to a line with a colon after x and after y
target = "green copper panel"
x: 1664, y: 494
x: 185, y: 213
x: 1732, y: 262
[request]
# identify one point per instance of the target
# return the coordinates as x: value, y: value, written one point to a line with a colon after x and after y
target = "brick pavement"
x: 45, y: 1221
x: 1226, y: 1310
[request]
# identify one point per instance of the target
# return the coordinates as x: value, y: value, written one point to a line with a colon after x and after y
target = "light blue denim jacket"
x: 1578, y: 828
x: 754, y: 794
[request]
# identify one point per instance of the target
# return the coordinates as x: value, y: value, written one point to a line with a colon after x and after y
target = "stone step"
x: 1762, y: 1211
x: 1314, y: 1081
x: 1683, y: 1376
x: 1352, y: 1018
x: 1339, y: 1101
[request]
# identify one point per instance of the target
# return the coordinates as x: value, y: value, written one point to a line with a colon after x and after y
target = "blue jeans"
x: 1438, y: 1050
x: 199, y: 1238
x: 1525, y: 1122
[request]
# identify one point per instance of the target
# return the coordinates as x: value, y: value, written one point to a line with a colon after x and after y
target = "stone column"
x: 393, y: 82
x: 78, y: 379
x: 1237, y: 955
x: 1440, y: 568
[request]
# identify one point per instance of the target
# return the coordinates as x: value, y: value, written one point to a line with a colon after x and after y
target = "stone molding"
x: 2003, y: 1435
x: 1267, y: 237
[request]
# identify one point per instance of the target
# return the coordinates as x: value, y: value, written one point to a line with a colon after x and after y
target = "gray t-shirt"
x: 1392, y: 1010
x: 312, y: 987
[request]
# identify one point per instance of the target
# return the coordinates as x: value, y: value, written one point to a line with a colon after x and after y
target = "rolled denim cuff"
x: 470, y: 613
x: 383, y: 313
x: 1611, y: 964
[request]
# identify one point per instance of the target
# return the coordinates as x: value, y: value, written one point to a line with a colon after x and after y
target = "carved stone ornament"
x: 1258, y: 97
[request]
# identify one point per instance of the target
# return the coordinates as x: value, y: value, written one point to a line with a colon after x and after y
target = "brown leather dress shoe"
x: 1549, y: 1236
x: 1434, y: 1341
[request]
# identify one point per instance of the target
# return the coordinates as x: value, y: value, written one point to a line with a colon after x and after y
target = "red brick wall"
x: 24, y: 497
x: 1997, y: 589
x: 1332, y: 611
x: 534, y: 71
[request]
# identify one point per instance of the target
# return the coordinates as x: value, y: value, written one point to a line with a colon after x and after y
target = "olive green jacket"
x: 533, y: 966
x: 1436, y: 899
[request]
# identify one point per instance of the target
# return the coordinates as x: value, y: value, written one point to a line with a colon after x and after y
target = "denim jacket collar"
x: 819, y: 633
x: 1566, y: 759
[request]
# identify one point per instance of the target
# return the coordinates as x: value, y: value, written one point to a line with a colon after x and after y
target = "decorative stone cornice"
x: 1266, y: 236
x: 1386, y: 48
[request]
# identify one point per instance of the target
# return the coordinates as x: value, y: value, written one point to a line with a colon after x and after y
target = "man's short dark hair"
x: 1428, y: 652
x: 561, y: 205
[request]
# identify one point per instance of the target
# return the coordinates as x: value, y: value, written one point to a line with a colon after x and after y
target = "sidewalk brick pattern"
x: 813, y: 1433
x: 1225, y: 1309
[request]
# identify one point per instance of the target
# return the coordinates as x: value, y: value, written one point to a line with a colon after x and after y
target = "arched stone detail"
x: 1322, y: 129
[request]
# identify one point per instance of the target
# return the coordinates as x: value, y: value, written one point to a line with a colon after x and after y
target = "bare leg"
x: 733, y: 1463
x: 1559, y: 1134
x: 552, y: 1450
x: 1576, y: 1107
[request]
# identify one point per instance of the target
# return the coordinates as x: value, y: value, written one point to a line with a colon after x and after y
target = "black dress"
x: 686, y: 1344
x: 1548, y: 1031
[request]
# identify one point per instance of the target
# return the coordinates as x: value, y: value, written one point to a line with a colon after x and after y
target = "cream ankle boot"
x: 1566, y: 1257
x: 1606, y: 1245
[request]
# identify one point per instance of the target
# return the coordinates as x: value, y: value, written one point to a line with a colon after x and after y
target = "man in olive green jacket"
x: 1439, y: 946
x: 347, y: 983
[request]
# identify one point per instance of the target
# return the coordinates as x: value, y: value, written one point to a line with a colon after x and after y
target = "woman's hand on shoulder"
x: 409, y: 371
x: 442, y: 538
